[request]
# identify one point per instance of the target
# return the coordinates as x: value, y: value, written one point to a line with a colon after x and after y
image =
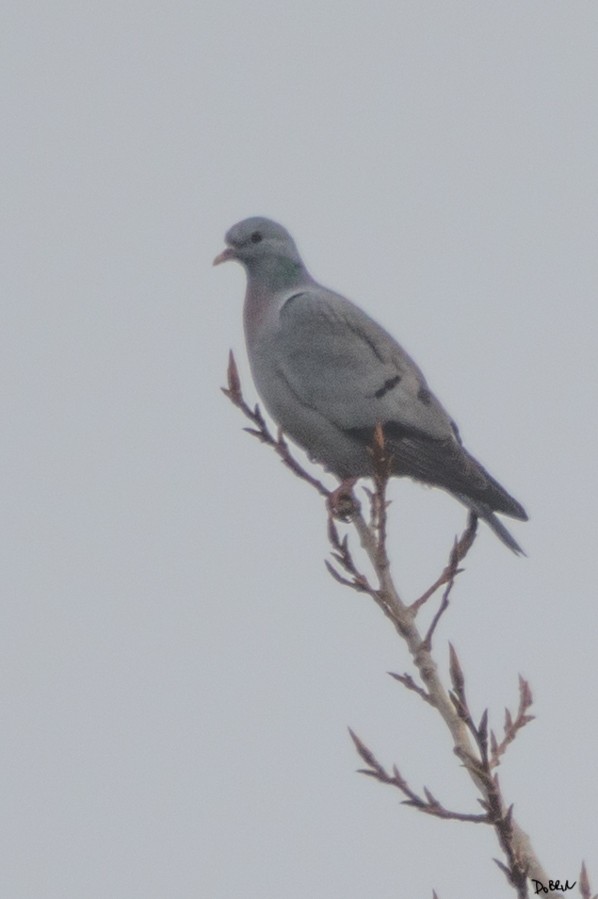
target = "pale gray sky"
x: 178, y: 668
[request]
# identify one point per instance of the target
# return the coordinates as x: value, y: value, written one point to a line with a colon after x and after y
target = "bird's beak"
x: 226, y: 254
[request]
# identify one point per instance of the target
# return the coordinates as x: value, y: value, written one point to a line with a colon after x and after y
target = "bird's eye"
x: 256, y: 237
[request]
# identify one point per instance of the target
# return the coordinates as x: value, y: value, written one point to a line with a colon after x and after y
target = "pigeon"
x: 329, y: 375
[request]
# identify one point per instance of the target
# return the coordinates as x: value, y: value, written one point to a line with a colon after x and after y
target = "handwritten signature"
x: 553, y: 885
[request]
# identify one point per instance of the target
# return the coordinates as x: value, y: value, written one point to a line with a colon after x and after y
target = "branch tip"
x: 456, y: 672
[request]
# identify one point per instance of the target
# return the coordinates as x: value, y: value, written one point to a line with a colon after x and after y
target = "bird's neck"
x: 268, y: 288
x: 275, y: 274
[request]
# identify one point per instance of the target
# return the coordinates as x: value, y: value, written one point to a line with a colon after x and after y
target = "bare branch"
x: 410, y: 684
x: 261, y: 430
x: 482, y: 736
x: 346, y: 582
x: 584, y: 884
x: 457, y: 696
x: 367, y: 755
x: 382, y: 462
x: 429, y: 806
x: 440, y: 612
x: 460, y: 549
x: 342, y: 555
x: 282, y: 448
x: 512, y: 727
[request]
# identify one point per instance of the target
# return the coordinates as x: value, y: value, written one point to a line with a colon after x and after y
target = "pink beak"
x: 226, y: 254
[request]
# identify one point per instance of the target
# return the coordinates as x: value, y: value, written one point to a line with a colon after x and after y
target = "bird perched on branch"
x: 329, y: 375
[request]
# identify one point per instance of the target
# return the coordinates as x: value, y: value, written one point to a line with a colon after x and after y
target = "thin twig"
x: 460, y: 549
x: 430, y: 805
x: 584, y: 884
x: 512, y: 727
x: 410, y: 684
x: 261, y: 430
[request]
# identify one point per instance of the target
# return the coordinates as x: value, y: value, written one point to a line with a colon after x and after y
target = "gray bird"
x: 329, y: 374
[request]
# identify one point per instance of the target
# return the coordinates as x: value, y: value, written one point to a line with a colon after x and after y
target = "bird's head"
x: 261, y: 246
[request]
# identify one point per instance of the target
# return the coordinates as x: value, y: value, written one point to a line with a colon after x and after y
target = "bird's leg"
x: 342, y: 502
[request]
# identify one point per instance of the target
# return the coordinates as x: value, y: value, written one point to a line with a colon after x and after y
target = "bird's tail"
x: 485, y: 512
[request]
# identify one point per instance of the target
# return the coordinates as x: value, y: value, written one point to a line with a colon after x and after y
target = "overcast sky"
x: 178, y: 669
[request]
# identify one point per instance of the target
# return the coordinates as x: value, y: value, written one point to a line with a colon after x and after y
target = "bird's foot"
x: 342, y: 502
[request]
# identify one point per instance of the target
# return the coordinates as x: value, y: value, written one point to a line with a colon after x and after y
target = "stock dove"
x: 328, y: 374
